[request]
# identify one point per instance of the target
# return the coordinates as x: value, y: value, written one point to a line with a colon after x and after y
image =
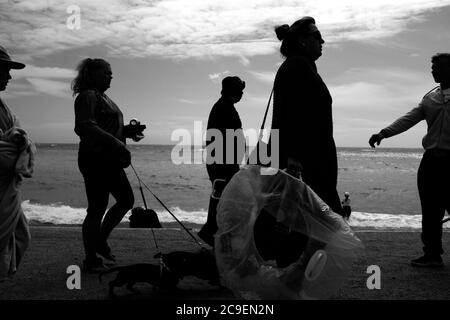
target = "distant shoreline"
x: 202, y: 146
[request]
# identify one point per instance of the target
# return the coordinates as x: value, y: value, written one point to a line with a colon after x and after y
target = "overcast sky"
x: 169, y: 56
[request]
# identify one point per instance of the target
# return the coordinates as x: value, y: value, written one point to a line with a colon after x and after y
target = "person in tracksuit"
x: 433, y: 177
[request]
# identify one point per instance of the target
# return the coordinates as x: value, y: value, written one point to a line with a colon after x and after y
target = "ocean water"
x: 381, y: 182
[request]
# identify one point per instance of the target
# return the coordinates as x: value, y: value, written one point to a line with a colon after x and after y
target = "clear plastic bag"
x: 324, y: 253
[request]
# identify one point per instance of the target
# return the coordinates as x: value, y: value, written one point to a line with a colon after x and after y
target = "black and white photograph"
x: 222, y: 157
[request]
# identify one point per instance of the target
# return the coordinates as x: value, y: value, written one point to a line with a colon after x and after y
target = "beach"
x: 42, y: 274
x: 386, y: 217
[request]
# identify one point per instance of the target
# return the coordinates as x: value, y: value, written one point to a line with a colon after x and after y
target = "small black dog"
x: 142, y: 272
x: 201, y: 264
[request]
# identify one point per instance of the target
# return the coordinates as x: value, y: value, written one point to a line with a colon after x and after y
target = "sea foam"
x: 62, y: 214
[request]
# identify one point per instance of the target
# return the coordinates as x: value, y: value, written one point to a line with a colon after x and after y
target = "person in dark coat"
x: 302, y: 115
x: 302, y: 111
x: 225, y: 147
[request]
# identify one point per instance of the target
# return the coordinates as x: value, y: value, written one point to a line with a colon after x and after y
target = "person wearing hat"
x: 225, y: 147
x: 16, y: 161
x: 433, y: 175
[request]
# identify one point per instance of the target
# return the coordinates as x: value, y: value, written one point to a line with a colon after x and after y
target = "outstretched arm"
x: 398, y: 126
x: 376, y: 138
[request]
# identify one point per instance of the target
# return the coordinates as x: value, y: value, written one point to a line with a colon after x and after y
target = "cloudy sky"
x: 169, y: 56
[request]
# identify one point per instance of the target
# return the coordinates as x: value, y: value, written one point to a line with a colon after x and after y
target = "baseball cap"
x: 6, y: 59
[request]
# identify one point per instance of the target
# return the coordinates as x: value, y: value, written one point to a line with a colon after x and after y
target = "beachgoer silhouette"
x: 102, y: 157
x: 433, y: 175
x: 223, y: 116
x: 302, y: 110
x: 302, y: 114
x: 16, y: 161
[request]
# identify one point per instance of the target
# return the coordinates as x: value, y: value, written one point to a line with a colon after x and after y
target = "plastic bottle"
x: 346, y: 208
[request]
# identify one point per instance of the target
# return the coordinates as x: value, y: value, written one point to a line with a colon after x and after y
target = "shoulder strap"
x: 267, y: 110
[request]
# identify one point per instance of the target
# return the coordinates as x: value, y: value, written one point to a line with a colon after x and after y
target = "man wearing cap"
x: 225, y: 147
x: 16, y: 161
x: 433, y: 176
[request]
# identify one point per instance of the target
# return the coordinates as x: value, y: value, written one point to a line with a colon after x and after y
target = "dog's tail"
x: 107, y: 271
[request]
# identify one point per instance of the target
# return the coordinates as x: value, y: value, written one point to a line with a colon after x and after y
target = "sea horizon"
x: 171, y: 145
x: 381, y: 183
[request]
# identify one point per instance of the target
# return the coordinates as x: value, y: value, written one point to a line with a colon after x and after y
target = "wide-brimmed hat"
x: 6, y: 59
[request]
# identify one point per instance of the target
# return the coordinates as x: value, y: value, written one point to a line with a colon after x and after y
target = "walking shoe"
x: 428, y: 262
x: 94, y: 265
x: 107, y: 255
x: 105, y: 251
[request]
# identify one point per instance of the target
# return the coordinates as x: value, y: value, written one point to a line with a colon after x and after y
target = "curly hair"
x: 441, y: 57
x: 84, y: 79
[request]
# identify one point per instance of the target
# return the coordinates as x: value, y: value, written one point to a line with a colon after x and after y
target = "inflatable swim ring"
x: 325, y: 246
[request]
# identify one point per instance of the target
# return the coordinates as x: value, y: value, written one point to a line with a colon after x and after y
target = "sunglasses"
x: 316, y: 35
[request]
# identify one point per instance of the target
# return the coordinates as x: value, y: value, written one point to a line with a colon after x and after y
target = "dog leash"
x: 165, y: 207
x: 145, y: 205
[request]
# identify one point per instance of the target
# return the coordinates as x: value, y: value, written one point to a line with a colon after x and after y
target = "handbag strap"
x: 267, y: 110
x: 265, y: 116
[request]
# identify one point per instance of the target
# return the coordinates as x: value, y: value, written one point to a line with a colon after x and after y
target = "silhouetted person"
x: 102, y: 156
x: 433, y: 177
x: 223, y: 116
x: 303, y: 117
x: 16, y: 161
x: 302, y: 110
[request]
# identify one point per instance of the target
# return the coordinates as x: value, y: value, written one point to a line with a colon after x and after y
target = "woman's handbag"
x: 144, y: 217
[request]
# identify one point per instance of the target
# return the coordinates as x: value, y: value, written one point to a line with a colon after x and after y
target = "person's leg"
x: 22, y: 240
x: 321, y: 179
x: 5, y: 260
x: 331, y: 197
x: 327, y: 192
x: 432, y: 197
x: 121, y: 190
x: 97, y: 197
x: 208, y: 230
x: 446, y: 193
x: 290, y: 247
